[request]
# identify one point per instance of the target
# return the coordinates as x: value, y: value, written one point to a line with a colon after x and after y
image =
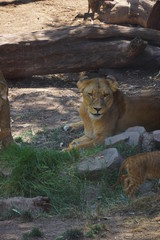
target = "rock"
x: 156, y: 132
x: 134, y: 138
x: 116, y: 139
x: 139, y: 129
x: 149, y: 186
x: 146, y: 187
x: 156, y: 138
x: 94, y: 167
x: 130, y: 138
x: 147, y: 142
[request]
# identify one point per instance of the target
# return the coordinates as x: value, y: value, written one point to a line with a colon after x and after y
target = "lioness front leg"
x: 73, y: 126
x: 85, y: 142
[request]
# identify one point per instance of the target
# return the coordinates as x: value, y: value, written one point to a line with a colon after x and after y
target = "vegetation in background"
x: 89, y: 232
x: 72, y: 234
x: 35, y: 233
x: 41, y: 172
x: 51, y: 173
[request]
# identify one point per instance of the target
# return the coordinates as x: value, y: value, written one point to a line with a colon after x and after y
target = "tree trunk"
x: 75, y: 49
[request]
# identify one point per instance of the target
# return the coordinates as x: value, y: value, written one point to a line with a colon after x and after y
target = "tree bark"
x: 33, y: 205
x: 75, y: 49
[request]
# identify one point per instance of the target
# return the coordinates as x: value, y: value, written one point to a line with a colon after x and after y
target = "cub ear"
x: 112, y: 83
x: 82, y: 82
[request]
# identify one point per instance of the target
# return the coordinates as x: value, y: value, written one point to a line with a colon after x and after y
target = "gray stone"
x: 146, y: 187
x: 134, y: 138
x: 116, y: 139
x: 149, y: 186
x: 156, y: 132
x: 156, y: 138
x: 94, y: 167
x: 147, y: 142
x: 130, y: 138
x: 138, y: 129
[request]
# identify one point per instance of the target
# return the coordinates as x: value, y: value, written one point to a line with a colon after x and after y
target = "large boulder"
x: 94, y: 167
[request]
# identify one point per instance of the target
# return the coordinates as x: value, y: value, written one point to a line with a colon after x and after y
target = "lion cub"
x: 5, y: 133
x: 136, y: 169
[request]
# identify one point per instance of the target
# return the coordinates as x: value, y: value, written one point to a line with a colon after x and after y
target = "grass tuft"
x: 95, y: 229
x: 72, y: 234
x: 35, y: 233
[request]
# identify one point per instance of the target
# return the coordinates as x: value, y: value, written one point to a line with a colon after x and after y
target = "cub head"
x: 3, y: 87
x: 97, y: 94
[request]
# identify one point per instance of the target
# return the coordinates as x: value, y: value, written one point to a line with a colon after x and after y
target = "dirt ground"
x: 45, y: 103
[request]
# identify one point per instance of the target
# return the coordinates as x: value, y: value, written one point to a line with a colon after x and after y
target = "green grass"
x: 41, y: 172
x: 79, y: 234
x: 127, y: 150
x: 92, y: 151
x: 72, y: 234
x: 51, y: 173
x: 35, y: 233
x: 95, y: 229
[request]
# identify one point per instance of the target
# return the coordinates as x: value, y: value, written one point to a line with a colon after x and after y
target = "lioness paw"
x: 73, y: 144
x: 67, y: 128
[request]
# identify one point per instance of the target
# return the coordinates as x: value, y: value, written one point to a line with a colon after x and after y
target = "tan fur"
x: 136, y: 169
x: 106, y: 111
x: 5, y: 129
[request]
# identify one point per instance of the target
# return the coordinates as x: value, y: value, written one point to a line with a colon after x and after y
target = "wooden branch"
x: 21, y: 204
x: 75, y: 49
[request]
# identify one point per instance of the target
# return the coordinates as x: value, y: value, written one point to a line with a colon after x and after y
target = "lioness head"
x: 97, y: 94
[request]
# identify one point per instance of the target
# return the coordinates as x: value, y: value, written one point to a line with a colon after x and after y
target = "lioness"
x: 5, y: 133
x: 106, y: 111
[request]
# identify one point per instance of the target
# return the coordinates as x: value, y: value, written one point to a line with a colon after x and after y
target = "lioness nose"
x: 97, y: 109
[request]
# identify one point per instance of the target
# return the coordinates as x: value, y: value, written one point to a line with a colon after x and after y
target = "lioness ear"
x: 112, y: 83
x: 82, y: 82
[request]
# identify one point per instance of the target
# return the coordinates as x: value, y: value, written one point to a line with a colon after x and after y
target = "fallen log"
x: 22, y: 204
x: 76, y: 49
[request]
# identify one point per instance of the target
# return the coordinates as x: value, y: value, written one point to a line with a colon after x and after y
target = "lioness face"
x: 97, y: 95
